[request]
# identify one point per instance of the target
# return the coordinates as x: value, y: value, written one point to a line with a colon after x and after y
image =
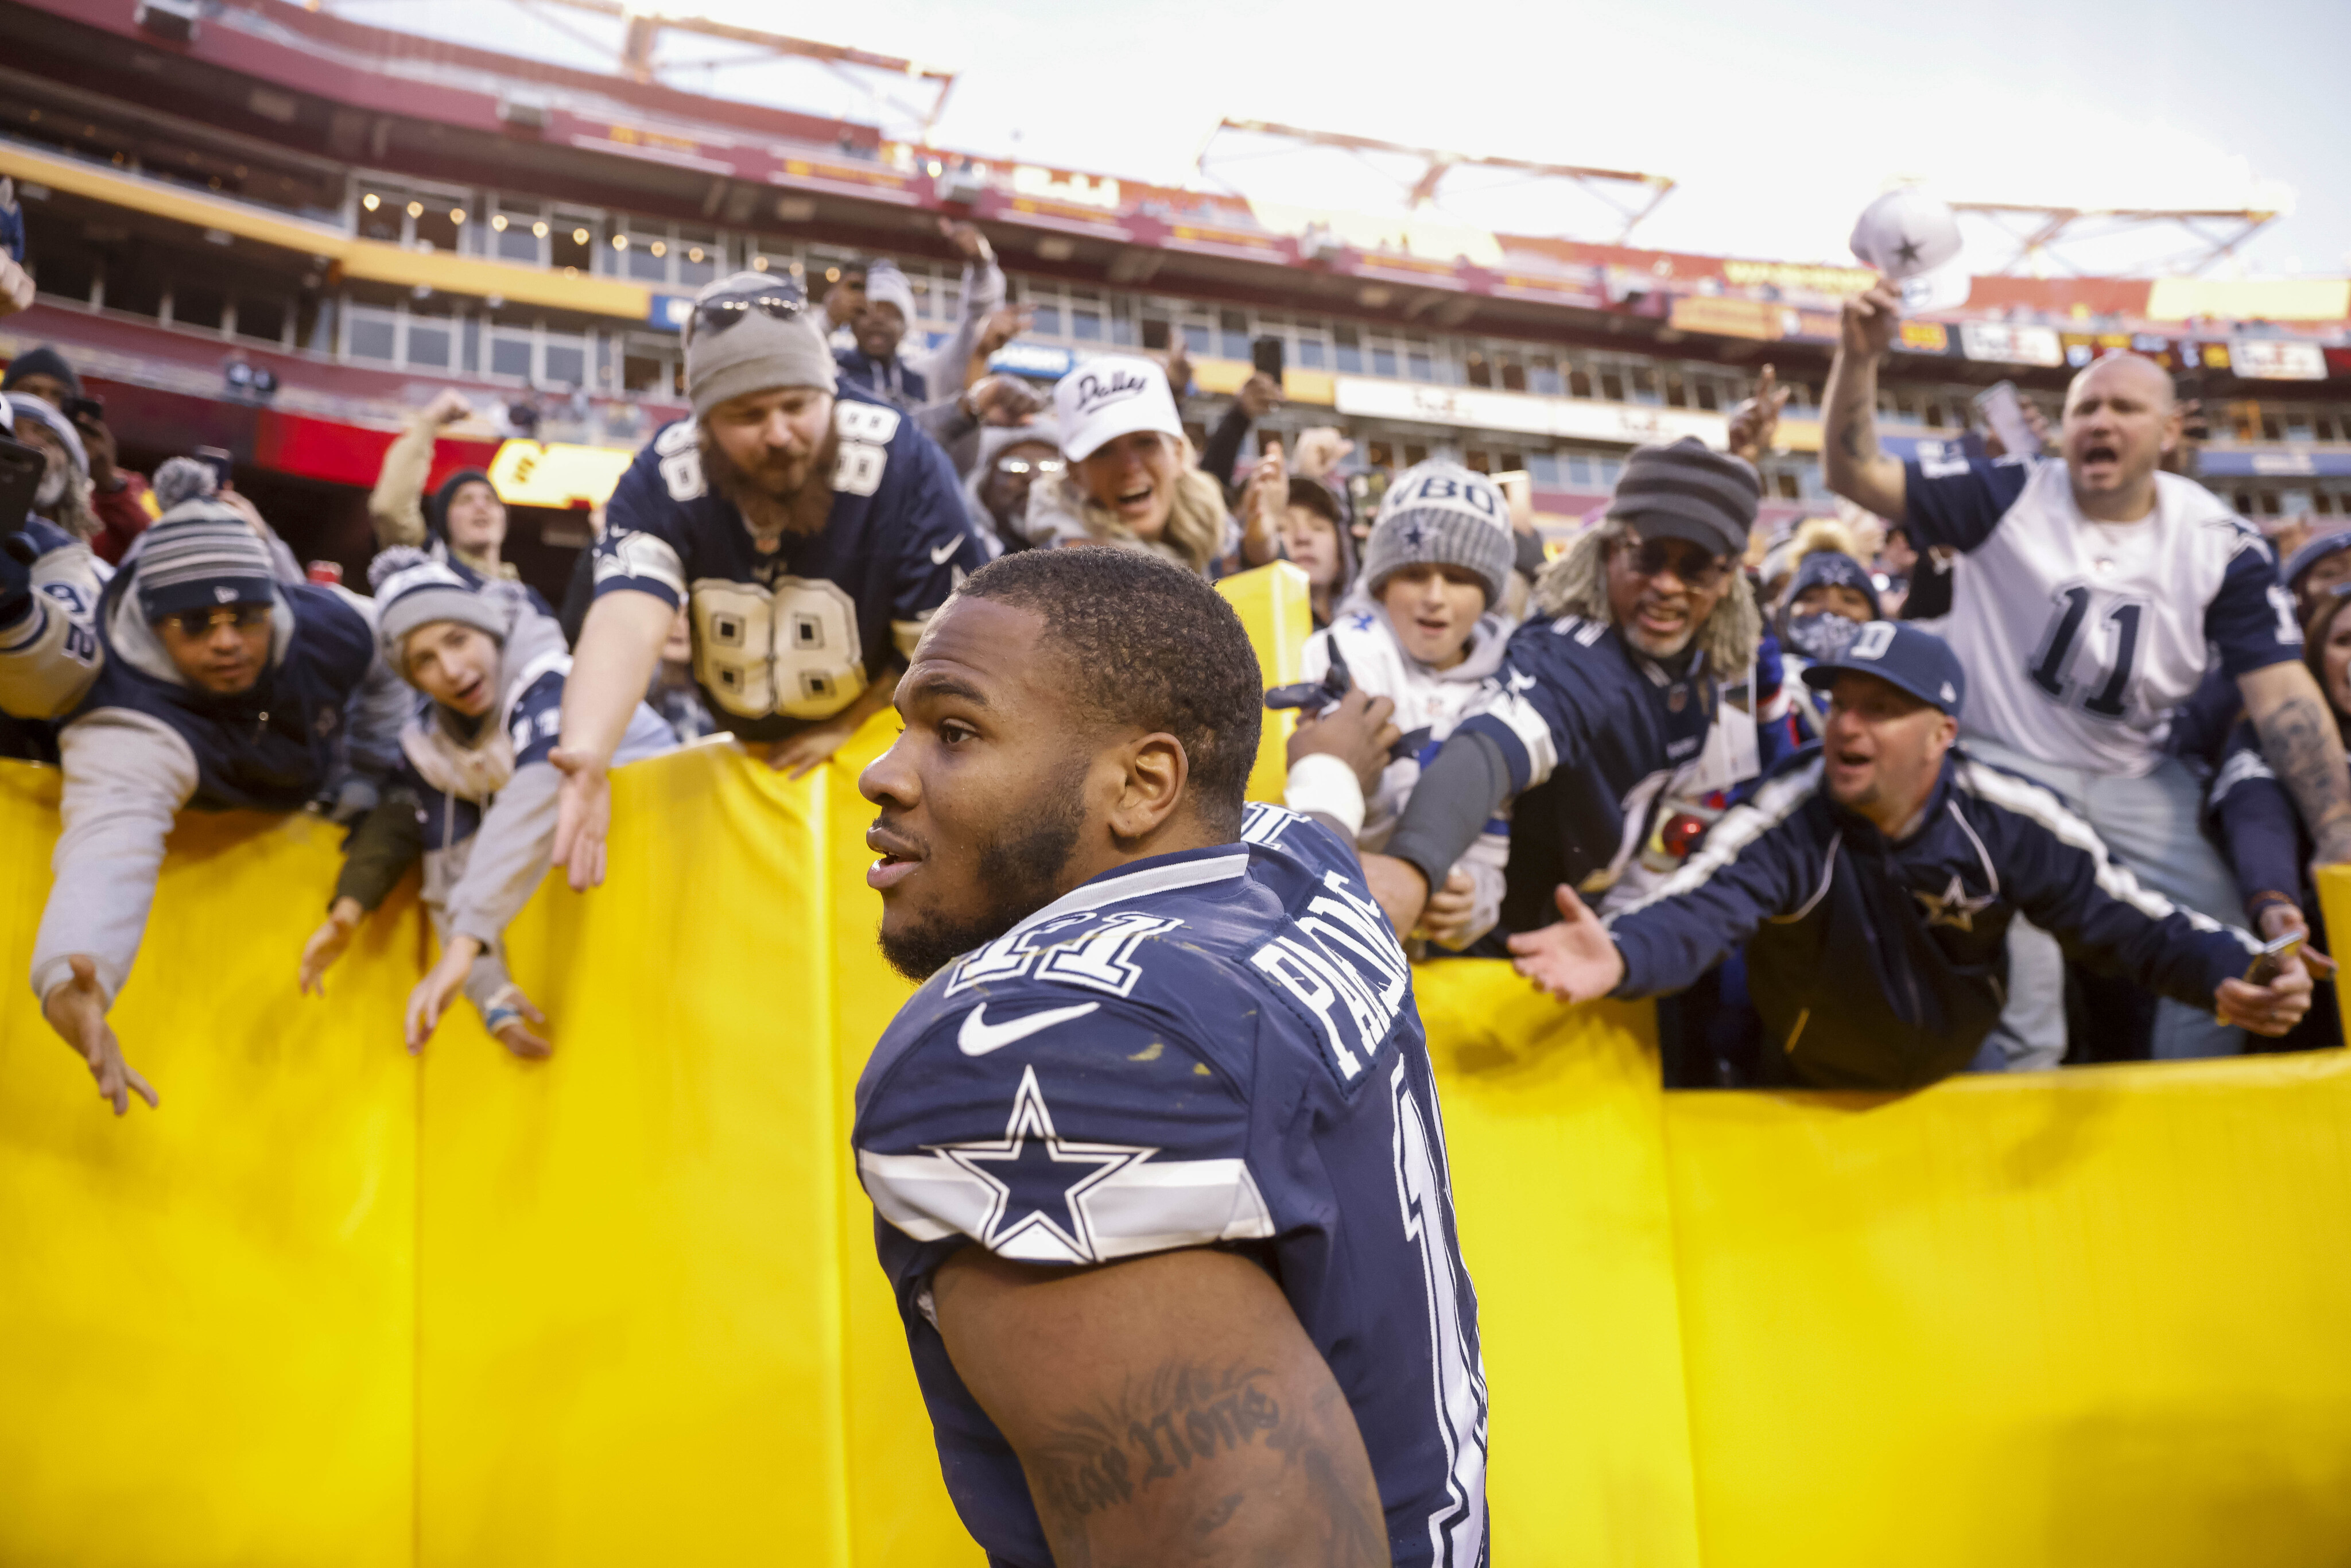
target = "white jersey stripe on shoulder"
x: 1137, y: 884
x: 1145, y: 1206
x: 1772, y: 805
x: 2041, y: 806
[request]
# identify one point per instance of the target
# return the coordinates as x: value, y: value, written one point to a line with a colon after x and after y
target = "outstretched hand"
x: 326, y: 946
x: 805, y: 751
x: 515, y: 1033
x: 1574, y: 960
x: 1755, y: 423
x: 76, y: 1011
x: 430, y: 998
x: 584, y: 815
x: 1401, y: 891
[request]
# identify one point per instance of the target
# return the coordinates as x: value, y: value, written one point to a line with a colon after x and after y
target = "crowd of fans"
x: 1869, y: 800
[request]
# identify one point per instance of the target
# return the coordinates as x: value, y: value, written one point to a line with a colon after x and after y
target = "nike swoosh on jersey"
x: 978, y: 1036
x: 939, y: 556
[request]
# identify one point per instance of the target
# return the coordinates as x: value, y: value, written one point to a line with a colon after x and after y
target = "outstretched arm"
x: 619, y: 646
x: 1170, y: 1408
x: 2304, y: 749
x: 1850, y: 460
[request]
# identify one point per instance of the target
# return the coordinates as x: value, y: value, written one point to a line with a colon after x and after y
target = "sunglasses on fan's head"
x: 778, y: 301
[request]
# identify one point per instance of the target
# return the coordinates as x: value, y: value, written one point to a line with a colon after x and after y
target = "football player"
x: 2091, y: 595
x: 810, y: 530
x: 1154, y: 1154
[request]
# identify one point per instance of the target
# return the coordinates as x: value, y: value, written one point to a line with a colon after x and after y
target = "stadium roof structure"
x: 2049, y: 238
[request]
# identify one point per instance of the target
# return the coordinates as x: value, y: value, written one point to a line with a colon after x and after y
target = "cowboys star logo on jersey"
x: 1040, y: 1182
x: 1954, y: 906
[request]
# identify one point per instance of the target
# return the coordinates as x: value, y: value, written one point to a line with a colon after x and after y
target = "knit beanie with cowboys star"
x: 1441, y: 514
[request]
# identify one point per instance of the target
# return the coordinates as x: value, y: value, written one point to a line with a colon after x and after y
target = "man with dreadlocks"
x: 1610, y: 710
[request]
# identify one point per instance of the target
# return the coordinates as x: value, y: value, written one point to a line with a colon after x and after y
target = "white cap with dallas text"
x: 1114, y: 395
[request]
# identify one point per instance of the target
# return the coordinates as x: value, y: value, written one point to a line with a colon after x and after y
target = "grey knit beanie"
x: 757, y: 352
x: 1687, y: 490
x: 413, y: 589
x: 1440, y: 513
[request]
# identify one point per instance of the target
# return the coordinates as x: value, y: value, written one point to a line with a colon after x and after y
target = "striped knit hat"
x: 1685, y: 490
x: 200, y: 556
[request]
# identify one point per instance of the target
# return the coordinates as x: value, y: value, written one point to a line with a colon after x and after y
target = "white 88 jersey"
x: 792, y: 649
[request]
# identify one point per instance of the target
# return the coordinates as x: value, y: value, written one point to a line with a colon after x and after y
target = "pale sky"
x: 1780, y: 123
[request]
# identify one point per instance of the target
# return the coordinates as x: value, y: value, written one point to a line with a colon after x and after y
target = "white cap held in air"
x: 1914, y: 239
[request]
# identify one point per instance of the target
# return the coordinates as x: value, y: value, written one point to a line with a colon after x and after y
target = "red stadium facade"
x: 371, y: 216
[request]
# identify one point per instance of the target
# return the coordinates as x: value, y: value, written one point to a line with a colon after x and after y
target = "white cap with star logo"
x: 1914, y: 239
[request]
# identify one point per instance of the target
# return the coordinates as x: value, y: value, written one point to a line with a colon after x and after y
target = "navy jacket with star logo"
x: 1881, y: 964
x: 1217, y: 1048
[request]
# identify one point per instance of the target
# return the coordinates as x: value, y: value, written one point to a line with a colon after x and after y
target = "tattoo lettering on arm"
x: 1123, y: 1453
x: 2300, y: 742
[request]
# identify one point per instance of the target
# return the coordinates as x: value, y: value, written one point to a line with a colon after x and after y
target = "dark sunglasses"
x: 194, y: 623
x: 777, y: 303
x: 1692, y: 565
x: 1045, y: 466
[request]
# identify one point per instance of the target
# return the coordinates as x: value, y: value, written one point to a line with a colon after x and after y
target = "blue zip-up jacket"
x: 1881, y: 964
x: 267, y: 749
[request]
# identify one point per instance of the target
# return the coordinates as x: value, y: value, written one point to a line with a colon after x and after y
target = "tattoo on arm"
x: 2300, y: 742
x: 1128, y: 1452
x: 1857, y: 439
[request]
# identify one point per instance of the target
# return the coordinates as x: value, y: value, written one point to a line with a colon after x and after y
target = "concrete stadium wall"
x: 334, y: 1304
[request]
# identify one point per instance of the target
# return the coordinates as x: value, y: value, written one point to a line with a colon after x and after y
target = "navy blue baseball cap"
x: 1901, y: 655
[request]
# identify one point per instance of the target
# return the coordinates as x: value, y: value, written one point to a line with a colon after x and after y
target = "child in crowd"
x: 1425, y: 629
x: 1315, y: 535
x: 1830, y: 597
x: 476, y: 795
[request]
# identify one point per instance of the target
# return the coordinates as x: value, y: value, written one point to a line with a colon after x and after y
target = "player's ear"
x: 1155, y: 769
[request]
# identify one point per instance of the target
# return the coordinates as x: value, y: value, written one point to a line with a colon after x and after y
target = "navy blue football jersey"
x: 787, y: 637
x: 1598, y: 736
x: 1217, y: 1048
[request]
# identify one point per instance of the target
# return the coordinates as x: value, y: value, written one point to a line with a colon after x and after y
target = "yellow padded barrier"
x: 207, y: 1325
x: 333, y: 1305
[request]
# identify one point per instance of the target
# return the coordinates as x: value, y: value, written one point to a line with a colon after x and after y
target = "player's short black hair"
x: 1152, y: 646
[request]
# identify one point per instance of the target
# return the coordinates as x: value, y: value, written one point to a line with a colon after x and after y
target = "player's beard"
x: 1020, y: 872
x: 779, y: 497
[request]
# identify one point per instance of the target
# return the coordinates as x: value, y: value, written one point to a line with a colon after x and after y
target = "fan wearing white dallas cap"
x: 1132, y: 479
x: 2091, y: 593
